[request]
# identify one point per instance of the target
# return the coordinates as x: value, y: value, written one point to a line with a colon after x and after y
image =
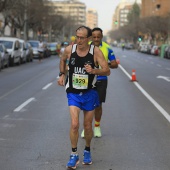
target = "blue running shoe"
x: 87, y: 158
x: 74, y: 160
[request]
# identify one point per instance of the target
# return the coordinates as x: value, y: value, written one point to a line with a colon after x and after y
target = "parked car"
x: 167, y: 52
x: 53, y: 48
x: 29, y: 52
x: 129, y: 46
x: 23, y: 51
x: 140, y: 46
x: 155, y: 50
x: 13, y: 47
x: 35, y: 48
x: 47, y: 52
x: 148, y: 48
x: 143, y: 48
x: 0, y: 62
x: 4, y: 56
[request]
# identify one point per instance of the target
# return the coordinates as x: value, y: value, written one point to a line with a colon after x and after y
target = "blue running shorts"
x: 85, y: 101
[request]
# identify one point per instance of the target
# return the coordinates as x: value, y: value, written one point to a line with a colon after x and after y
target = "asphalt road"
x: 34, y: 118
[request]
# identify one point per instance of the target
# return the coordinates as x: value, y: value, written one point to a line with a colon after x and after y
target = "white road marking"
x: 163, y: 112
x: 46, y: 87
x: 167, y: 68
x: 24, y: 104
x: 7, y: 125
x: 163, y: 77
x: 2, y: 139
x: 6, y: 116
x: 159, y: 65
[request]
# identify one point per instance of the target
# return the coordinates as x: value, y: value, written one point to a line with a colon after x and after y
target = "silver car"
x: 23, y: 51
x: 35, y: 48
x: 4, y: 56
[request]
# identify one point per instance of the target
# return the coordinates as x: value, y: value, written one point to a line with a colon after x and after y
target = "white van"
x: 23, y: 51
x: 13, y: 47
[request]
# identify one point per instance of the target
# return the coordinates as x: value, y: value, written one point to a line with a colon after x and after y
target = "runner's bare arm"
x: 100, y: 60
x: 64, y: 57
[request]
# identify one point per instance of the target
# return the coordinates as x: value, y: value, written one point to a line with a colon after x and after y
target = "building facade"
x: 69, y: 8
x: 92, y: 18
x: 155, y: 8
x: 120, y: 16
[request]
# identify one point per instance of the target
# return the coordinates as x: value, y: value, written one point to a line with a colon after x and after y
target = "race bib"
x: 80, y: 81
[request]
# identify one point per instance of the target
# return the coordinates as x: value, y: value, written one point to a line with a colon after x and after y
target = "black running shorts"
x: 101, y: 86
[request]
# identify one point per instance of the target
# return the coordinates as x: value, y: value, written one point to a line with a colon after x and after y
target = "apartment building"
x: 92, y: 18
x: 120, y: 16
x: 155, y: 8
x: 71, y: 8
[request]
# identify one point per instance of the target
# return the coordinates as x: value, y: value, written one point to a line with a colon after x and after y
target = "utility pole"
x: 25, y: 20
x: 63, y: 38
x: 49, y: 34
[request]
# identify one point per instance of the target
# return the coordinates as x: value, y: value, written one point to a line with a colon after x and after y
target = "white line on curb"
x: 164, y: 113
x: 24, y: 104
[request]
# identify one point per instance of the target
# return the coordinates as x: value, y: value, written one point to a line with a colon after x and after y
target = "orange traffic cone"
x: 133, y: 75
x: 118, y: 61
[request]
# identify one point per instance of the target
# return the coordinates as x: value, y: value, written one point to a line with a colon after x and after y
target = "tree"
x: 153, y: 29
x: 2, y: 5
x: 134, y: 14
x: 6, y: 7
x: 39, y: 18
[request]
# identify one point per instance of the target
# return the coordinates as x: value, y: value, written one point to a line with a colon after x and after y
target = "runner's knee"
x: 75, y: 126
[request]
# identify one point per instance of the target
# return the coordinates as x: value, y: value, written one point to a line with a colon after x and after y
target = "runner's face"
x: 97, y: 38
x: 81, y: 38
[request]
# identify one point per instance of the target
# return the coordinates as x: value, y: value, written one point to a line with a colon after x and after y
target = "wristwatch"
x: 60, y: 74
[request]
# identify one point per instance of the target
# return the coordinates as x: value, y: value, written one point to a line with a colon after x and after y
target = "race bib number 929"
x: 80, y: 81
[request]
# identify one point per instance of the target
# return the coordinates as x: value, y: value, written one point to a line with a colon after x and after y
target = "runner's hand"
x: 88, y: 68
x: 61, y: 80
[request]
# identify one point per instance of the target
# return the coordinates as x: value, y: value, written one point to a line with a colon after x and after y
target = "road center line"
x: 24, y: 104
x: 48, y: 85
x: 160, y: 108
